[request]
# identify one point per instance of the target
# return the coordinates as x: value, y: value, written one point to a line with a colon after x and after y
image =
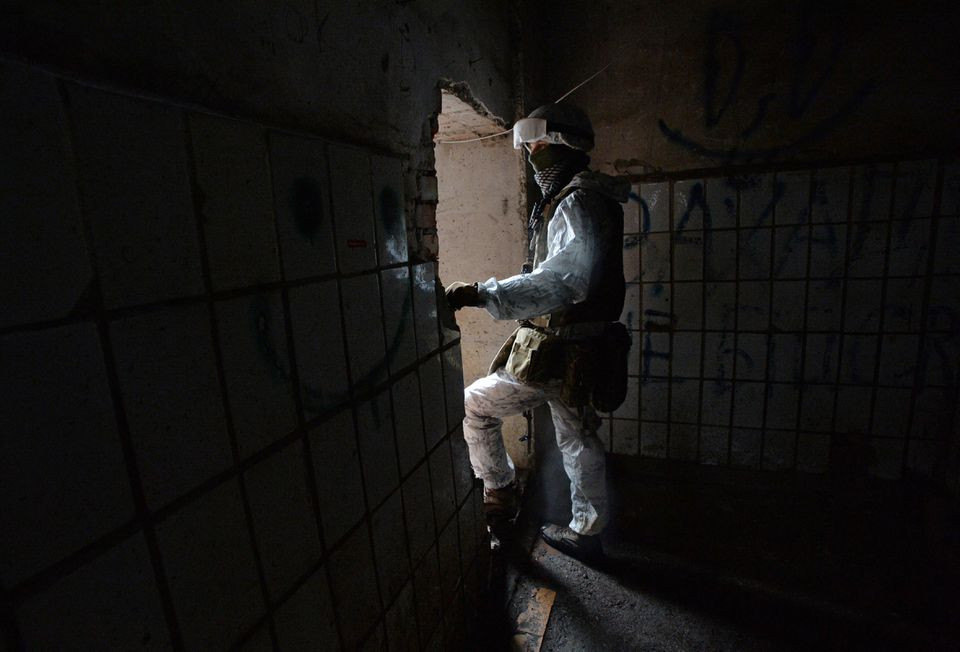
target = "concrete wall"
x: 791, y: 310
x: 481, y: 222
x: 701, y: 83
x: 231, y: 415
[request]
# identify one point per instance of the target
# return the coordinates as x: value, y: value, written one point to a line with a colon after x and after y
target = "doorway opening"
x: 481, y: 228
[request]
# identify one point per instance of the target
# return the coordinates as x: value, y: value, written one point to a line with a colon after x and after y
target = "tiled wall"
x: 230, y: 414
x: 804, y: 319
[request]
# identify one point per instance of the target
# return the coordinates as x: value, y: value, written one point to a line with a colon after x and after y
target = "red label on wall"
x: 356, y: 244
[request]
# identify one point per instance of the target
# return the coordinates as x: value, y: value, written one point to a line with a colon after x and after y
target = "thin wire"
x: 507, y: 131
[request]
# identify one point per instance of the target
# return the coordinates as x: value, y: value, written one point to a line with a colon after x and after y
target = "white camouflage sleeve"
x: 562, y: 279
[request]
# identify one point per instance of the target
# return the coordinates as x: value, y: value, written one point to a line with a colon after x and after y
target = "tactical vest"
x: 605, y: 295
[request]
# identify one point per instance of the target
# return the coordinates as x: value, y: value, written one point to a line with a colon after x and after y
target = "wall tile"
x: 426, y: 581
x: 824, y: 302
x: 748, y: 401
x: 353, y: 580
x: 853, y: 409
x: 751, y: 356
x: 352, y: 199
x: 722, y: 201
x: 441, y: 481
x: 950, y: 199
x: 45, y: 262
x: 872, y: 186
x: 631, y: 211
x: 432, y: 391
x: 462, y: 471
x: 784, y: 357
x: 831, y: 188
x: 688, y: 305
x: 909, y: 247
x: 452, y: 363
x: 408, y: 422
x: 863, y: 306
x: 686, y: 355
x: 631, y: 258
x: 172, y: 397
x: 720, y: 306
x: 713, y: 446
x: 110, y: 603
x: 859, y: 359
x: 788, y: 309
x: 793, y: 197
x: 716, y: 402
x: 718, y: 354
x: 778, y: 449
x: 655, y: 207
x: 943, y: 314
x: 688, y: 256
x: 64, y: 477
x: 790, y: 251
x: 425, y: 308
x: 336, y: 463
x: 720, y: 255
x: 758, y: 197
x: 398, y: 318
x: 377, y: 449
x: 418, y: 504
x: 210, y: 568
x: 754, y: 253
x: 813, y: 452
x: 913, y: 196
x: 390, y: 546
x: 306, y: 622
x: 318, y: 342
x: 947, y: 244
x: 745, y: 447
x: 684, y: 400
x: 626, y: 437
x: 828, y: 251
x: 898, y: 359
x: 753, y: 308
x: 689, y: 202
x: 132, y: 163
x: 401, y: 621
x: 256, y: 367
x: 631, y: 316
x: 653, y: 439
x: 903, y: 308
x: 629, y: 408
x: 233, y: 180
x: 283, y: 520
x: 363, y: 323
x: 448, y: 550
x: 655, y: 257
x: 886, y: 459
x: 782, y: 403
x: 302, y: 204
x: 821, y: 357
x: 891, y: 413
x: 683, y: 441
x: 816, y: 412
x: 868, y: 249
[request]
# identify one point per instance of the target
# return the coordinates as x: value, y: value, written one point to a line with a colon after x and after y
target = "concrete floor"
x: 698, y: 560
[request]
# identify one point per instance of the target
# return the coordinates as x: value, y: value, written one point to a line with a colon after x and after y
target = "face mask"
x: 546, y: 158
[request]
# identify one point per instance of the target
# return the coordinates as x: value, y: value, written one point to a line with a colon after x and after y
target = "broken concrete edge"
x: 463, y: 92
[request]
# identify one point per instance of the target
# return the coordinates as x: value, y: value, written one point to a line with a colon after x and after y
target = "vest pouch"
x: 610, y: 388
x: 536, y: 356
x: 580, y: 371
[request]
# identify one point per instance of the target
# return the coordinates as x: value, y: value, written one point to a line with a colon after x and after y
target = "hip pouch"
x: 536, y: 356
x: 610, y: 385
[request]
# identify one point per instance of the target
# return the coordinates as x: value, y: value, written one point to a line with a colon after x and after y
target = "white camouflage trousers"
x: 493, y: 397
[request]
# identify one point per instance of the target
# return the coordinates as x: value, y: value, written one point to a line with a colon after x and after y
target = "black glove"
x: 461, y: 295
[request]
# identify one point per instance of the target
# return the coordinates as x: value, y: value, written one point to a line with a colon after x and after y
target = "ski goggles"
x: 532, y: 130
